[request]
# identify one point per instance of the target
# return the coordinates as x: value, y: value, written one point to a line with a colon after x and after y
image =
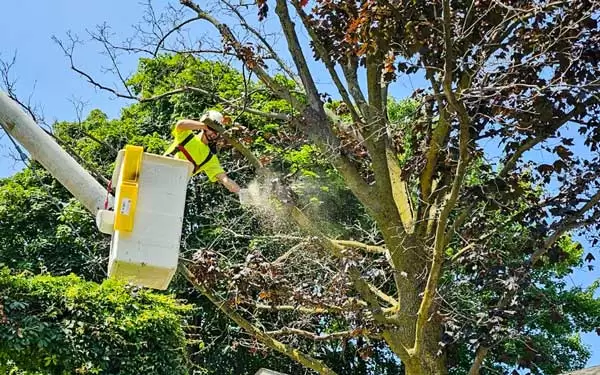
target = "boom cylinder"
x: 43, y: 148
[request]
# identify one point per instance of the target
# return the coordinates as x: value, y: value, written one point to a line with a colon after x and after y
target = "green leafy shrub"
x: 63, y: 325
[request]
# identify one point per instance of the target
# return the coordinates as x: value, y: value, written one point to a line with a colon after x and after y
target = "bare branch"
x: 287, y: 331
x: 9, y: 85
x: 255, y: 66
x: 174, y: 29
x: 68, y: 51
x: 231, y: 103
x: 103, y: 38
x: 263, y: 337
x: 569, y: 223
x: 264, y: 41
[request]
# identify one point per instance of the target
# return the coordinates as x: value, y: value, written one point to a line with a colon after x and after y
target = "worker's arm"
x: 190, y: 125
x: 226, y: 181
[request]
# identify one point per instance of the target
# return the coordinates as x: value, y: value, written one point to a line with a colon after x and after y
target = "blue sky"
x: 42, y: 69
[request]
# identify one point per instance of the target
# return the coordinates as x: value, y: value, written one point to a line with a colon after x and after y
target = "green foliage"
x: 63, y: 325
x: 167, y: 72
x: 402, y: 115
x: 539, y: 327
x: 42, y: 228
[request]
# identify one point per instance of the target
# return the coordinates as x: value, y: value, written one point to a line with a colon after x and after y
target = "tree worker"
x: 200, y: 150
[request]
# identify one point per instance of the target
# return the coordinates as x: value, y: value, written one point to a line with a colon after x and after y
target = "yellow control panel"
x: 127, y: 188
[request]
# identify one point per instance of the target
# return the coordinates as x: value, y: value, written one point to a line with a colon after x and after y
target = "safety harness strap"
x: 182, y: 144
x: 181, y: 148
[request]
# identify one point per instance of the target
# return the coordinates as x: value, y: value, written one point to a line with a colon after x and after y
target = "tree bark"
x: 429, y: 362
x: 425, y: 369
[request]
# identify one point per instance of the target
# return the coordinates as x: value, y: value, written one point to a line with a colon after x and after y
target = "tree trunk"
x: 426, y: 369
x: 429, y: 362
x: 406, y: 258
x: 432, y: 361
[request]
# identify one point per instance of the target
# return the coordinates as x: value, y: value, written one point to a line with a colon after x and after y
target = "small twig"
x: 285, y: 331
x: 176, y: 28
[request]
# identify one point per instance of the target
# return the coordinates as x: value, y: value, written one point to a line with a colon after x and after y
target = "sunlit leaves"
x: 60, y: 325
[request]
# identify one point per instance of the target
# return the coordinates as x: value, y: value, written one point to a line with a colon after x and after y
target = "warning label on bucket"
x: 125, y: 206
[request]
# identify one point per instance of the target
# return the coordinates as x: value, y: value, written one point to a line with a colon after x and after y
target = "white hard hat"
x: 216, y: 116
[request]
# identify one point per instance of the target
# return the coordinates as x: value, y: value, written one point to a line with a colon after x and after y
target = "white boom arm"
x: 45, y: 150
x: 150, y: 193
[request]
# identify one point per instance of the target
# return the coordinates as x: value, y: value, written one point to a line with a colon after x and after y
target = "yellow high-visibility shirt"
x: 198, y: 150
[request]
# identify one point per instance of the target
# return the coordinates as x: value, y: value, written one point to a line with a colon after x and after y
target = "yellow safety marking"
x: 127, y: 188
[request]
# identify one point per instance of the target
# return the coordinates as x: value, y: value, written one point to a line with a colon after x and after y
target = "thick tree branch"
x: 391, y: 189
x: 480, y: 354
x: 464, y: 139
x: 354, y: 180
x: 330, y: 144
x: 569, y: 223
x: 532, y: 142
x: 265, y: 43
x: 400, y: 191
x: 435, y: 145
x: 254, y: 66
x: 374, y: 130
x: 379, y: 293
x: 324, y: 56
x: 297, y: 55
x: 261, y: 336
x: 311, y: 310
x: 238, y: 146
x: 368, y: 248
x: 350, y: 70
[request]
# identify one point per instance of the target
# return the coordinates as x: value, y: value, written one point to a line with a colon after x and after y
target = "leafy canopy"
x: 63, y: 325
